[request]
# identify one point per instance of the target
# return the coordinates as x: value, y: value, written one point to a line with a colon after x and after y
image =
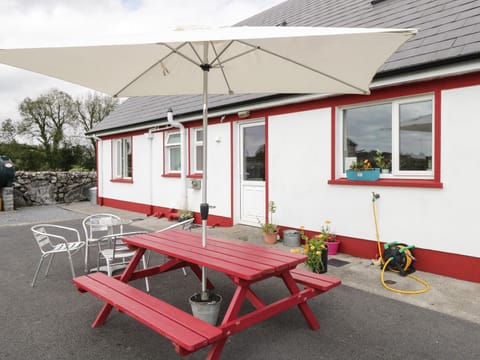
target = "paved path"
x: 359, y: 320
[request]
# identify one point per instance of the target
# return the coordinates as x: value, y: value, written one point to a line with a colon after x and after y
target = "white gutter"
x: 99, y: 167
x: 183, y: 159
x: 451, y: 70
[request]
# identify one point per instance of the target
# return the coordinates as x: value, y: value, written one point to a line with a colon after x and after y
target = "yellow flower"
x: 295, y: 251
x: 319, y: 253
x: 312, y: 247
x: 302, y: 227
x: 328, y: 222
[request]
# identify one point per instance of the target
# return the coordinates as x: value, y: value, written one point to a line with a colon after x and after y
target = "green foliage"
x: 25, y: 157
x: 46, y: 122
x: 92, y: 109
x: 8, y: 131
x: 269, y: 227
x: 185, y: 215
x: 75, y: 157
x: 314, y: 248
x: 44, y: 119
x: 32, y: 157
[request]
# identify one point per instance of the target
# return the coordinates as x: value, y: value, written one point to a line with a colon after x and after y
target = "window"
x: 122, y: 158
x: 397, y: 135
x: 197, y: 151
x: 173, y: 158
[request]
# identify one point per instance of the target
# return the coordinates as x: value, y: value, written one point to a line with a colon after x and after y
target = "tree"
x: 8, y: 131
x: 45, y: 119
x: 92, y: 109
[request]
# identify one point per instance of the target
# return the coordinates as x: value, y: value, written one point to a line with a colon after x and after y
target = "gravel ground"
x: 32, y: 215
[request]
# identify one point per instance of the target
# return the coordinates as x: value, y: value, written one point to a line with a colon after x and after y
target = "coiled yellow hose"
x: 385, y: 263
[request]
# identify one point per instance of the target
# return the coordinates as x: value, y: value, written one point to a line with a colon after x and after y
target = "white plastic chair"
x: 185, y: 224
x: 116, y: 253
x: 53, y: 239
x: 97, y: 226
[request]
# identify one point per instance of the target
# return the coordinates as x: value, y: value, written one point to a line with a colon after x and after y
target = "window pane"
x: 199, y: 159
x: 416, y: 136
x: 367, y: 130
x: 175, y: 159
x: 254, y: 153
x: 199, y: 135
x: 118, y: 159
x: 128, y: 169
x: 173, y: 138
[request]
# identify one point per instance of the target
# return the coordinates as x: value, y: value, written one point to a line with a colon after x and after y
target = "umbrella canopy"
x: 240, y: 59
x: 222, y: 61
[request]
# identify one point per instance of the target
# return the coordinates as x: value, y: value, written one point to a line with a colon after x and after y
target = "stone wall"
x: 49, y: 187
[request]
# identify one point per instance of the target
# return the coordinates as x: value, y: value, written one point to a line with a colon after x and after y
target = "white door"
x: 252, y: 173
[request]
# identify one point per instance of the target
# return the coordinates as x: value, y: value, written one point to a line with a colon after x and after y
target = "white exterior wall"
x: 437, y: 219
x: 136, y: 192
x: 299, y: 169
x: 219, y: 170
x: 150, y: 187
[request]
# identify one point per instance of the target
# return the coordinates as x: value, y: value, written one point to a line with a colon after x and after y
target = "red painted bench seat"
x: 187, y: 333
x: 313, y: 280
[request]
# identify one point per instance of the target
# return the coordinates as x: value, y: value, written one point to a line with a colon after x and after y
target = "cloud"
x: 33, y: 23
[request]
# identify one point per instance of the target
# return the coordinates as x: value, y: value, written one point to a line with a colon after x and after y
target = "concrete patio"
x: 359, y: 319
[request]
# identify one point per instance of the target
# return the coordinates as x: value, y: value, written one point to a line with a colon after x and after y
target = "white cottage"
x: 422, y: 116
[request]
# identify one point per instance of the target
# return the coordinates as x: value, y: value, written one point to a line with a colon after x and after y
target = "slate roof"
x: 449, y: 31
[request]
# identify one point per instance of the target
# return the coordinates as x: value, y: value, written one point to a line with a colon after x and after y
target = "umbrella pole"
x: 204, y: 205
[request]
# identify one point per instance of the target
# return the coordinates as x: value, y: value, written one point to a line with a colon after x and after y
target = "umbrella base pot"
x: 206, y: 310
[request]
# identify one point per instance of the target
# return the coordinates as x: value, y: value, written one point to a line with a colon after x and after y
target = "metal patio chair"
x: 116, y: 254
x: 96, y: 226
x: 53, y: 239
x: 185, y: 224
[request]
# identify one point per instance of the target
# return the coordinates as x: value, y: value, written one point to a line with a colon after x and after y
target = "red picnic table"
x: 245, y: 264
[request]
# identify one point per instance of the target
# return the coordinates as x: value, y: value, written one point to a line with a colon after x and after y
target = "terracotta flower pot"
x: 270, y: 237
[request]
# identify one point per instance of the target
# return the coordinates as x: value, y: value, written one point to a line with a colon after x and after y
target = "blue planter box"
x: 363, y: 175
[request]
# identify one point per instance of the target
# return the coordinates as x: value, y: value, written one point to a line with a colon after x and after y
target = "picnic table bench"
x: 244, y: 264
x: 186, y: 332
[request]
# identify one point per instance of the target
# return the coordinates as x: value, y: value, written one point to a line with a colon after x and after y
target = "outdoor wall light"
x: 243, y: 114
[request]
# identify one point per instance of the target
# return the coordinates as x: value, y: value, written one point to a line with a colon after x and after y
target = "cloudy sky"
x: 37, y: 23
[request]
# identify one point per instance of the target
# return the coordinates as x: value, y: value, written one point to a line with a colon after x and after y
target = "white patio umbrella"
x: 222, y: 61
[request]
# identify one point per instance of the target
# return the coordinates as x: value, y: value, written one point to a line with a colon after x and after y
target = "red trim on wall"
x: 213, y: 220
x: 96, y: 171
x: 333, y: 124
x: 267, y: 182
x: 437, y: 136
x: 158, y: 211
x: 123, y: 135
x: 126, y: 181
x: 232, y: 171
x: 163, y: 154
x: 436, y: 262
x: 172, y: 175
x: 188, y: 170
x: 390, y: 182
x: 127, y: 205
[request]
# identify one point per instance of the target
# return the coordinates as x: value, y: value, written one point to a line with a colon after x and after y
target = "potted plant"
x: 270, y: 230
x: 330, y: 238
x: 317, y: 253
x: 382, y: 163
x: 363, y: 170
x: 185, y: 215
